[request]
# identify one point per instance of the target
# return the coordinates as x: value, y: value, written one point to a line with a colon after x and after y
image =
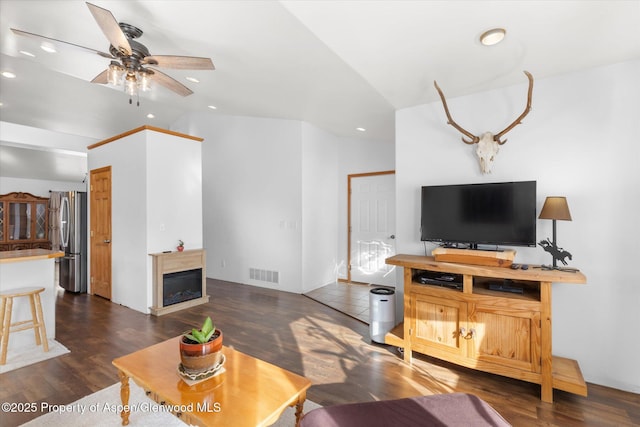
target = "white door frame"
x: 350, y: 177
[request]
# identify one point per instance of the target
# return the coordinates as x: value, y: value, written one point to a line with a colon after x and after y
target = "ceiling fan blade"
x: 180, y: 62
x: 39, y: 37
x: 109, y: 26
x: 170, y: 83
x: 101, y: 78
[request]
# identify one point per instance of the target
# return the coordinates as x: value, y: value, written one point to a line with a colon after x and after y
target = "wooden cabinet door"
x: 505, y: 337
x: 436, y: 325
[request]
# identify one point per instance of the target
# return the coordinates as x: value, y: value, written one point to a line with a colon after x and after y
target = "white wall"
x: 319, y: 207
x: 129, y: 257
x: 38, y: 187
x: 156, y: 200
x: 29, y: 137
x: 274, y: 197
x: 251, y: 197
x: 580, y: 141
x: 13, y: 133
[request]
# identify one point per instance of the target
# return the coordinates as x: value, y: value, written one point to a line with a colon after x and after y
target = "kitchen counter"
x: 28, y: 255
x: 30, y: 267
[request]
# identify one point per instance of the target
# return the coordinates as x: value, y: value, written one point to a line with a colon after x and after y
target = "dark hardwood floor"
x: 332, y: 349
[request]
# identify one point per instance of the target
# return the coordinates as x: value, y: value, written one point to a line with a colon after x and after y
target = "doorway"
x: 100, y: 235
x: 371, y: 228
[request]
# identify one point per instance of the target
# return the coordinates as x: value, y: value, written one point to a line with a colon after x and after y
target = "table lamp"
x: 555, y: 208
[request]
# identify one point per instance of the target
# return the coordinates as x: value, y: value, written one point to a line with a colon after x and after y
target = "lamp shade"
x: 555, y: 208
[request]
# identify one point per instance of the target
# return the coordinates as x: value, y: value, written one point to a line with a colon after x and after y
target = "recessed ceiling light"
x: 361, y: 129
x: 213, y: 107
x: 8, y: 74
x: 48, y: 48
x: 492, y: 36
x: 25, y: 53
x: 192, y: 79
x: 150, y: 116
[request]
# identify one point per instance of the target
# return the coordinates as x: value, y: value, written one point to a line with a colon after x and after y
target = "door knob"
x: 393, y: 236
x: 106, y: 241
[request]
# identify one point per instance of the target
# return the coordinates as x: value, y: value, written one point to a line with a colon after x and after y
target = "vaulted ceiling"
x: 339, y: 65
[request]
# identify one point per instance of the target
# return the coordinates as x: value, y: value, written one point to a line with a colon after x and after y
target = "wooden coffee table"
x: 251, y: 392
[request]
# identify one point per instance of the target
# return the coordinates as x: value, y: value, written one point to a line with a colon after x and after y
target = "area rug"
x: 101, y: 415
x: 28, y: 356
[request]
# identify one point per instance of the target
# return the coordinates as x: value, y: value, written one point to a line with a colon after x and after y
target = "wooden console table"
x: 493, y: 331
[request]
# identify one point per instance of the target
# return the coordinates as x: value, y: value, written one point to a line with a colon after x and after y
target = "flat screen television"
x: 497, y: 214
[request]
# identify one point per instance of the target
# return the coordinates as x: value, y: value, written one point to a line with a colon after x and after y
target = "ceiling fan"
x: 131, y: 60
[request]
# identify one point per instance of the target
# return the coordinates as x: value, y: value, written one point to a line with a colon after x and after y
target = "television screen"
x: 480, y: 214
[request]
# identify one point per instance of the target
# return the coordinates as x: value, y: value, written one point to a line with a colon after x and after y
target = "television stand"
x: 481, y: 328
x: 474, y: 256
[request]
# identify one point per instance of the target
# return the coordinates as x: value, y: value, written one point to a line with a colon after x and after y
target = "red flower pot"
x: 196, y: 357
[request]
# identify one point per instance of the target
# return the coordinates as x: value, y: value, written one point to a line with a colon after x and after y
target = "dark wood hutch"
x: 24, y: 222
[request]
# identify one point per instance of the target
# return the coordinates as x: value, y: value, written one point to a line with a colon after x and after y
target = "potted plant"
x: 200, y: 349
x: 180, y: 246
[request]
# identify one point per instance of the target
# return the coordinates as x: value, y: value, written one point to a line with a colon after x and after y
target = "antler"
x: 517, y: 121
x: 450, y: 121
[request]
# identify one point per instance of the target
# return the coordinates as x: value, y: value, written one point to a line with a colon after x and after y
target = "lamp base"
x: 553, y: 267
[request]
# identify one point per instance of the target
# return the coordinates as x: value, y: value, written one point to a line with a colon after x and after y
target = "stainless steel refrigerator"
x: 72, y: 223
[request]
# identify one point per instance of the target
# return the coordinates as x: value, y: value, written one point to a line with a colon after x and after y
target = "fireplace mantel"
x: 173, y: 262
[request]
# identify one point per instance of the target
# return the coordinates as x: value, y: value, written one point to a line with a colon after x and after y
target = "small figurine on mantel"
x: 180, y: 246
x: 558, y: 254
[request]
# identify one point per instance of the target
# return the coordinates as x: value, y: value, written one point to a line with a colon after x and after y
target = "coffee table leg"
x: 124, y: 397
x: 299, y: 406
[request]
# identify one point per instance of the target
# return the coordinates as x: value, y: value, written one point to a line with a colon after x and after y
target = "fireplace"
x: 181, y: 286
x: 179, y: 281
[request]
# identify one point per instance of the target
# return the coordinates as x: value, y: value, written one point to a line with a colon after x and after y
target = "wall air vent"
x: 264, y: 275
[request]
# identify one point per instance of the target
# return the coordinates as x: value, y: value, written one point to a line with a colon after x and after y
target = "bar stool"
x: 36, y: 323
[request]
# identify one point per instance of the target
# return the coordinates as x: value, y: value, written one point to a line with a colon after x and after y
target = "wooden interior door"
x: 100, y: 235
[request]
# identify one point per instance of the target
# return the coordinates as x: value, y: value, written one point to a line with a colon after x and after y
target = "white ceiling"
x: 337, y: 64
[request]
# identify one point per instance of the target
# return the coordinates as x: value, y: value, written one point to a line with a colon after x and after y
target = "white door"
x: 372, y: 232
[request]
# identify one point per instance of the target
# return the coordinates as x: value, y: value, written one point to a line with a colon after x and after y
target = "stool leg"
x: 34, y: 317
x: 6, y: 325
x: 3, y: 303
x: 42, y: 329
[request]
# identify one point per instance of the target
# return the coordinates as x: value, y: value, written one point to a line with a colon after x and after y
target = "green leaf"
x: 208, y: 327
x: 191, y: 337
x: 199, y: 336
x: 209, y: 335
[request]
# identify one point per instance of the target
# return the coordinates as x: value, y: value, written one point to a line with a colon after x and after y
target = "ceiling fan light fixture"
x: 493, y: 36
x: 131, y: 85
x: 144, y: 78
x: 115, y: 73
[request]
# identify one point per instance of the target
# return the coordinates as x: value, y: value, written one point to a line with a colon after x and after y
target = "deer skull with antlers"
x: 488, y: 143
